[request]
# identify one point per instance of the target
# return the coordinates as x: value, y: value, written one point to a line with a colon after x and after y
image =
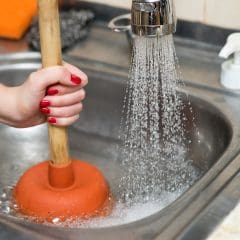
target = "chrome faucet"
x: 148, y: 18
x: 153, y: 17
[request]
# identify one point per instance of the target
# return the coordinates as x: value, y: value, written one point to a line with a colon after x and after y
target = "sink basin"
x: 214, y: 143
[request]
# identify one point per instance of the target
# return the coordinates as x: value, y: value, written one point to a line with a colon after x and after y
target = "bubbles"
x: 124, y: 214
x: 56, y: 220
x: 7, y: 206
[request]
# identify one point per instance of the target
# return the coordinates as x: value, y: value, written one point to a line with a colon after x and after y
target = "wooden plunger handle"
x: 51, y: 56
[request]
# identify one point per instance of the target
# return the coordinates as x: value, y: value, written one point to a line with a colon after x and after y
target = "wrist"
x: 10, y: 111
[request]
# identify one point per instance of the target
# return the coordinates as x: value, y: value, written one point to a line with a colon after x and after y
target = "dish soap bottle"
x: 230, y: 75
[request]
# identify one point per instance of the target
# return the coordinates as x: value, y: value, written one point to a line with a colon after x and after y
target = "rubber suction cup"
x: 76, y: 190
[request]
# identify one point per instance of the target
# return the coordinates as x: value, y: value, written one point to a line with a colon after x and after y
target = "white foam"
x: 123, y: 214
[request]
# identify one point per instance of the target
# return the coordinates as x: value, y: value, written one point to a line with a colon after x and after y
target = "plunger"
x: 59, y: 188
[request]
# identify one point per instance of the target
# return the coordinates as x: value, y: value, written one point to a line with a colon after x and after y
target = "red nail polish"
x: 52, y: 91
x: 75, y: 79
x: 52, y: 120
x: 44, y: 103
x: 45, y: 110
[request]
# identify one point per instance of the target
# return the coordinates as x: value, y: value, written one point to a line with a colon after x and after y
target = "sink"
x: 214, y: 144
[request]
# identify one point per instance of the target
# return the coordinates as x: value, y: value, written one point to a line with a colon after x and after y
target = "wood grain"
x: 51, y: 56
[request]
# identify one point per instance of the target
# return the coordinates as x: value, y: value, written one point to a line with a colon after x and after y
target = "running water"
x: 154, y: 140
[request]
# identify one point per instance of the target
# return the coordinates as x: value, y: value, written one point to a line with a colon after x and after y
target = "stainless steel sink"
x: 214, y: 134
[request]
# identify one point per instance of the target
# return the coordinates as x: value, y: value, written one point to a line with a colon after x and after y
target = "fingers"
x: 67, y: 75
x: 63, y: 122
x: 63, y: 112
x: 61, y: 89
x: 64, y: 100
x: 63, y: 116
x: 74, y: 70
x: 62, y: 104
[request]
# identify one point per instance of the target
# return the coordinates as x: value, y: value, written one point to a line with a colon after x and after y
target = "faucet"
x: 153, y: 17
x: 148, y: 18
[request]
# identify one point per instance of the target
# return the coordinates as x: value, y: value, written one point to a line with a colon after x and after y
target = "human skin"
x: 52, y: 94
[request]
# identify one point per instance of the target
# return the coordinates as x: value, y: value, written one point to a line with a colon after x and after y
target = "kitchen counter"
x: 229, y: 228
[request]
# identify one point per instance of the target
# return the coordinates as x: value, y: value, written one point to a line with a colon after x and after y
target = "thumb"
x: 52, y: 75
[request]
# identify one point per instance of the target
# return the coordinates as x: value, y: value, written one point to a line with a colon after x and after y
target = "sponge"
x: 15, y: 17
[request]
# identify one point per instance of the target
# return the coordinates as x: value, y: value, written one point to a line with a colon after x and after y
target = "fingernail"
x: 44, y: 103
x: 52, y: 91
x: 45, y: 110
x: 75, y: 79
x: 52, y: 120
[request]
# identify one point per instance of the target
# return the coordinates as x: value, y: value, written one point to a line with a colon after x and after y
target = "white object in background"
x: 229, y: 229
x: 230, y: 76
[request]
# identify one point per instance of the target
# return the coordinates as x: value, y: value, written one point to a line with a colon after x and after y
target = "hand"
x: 54, y: 94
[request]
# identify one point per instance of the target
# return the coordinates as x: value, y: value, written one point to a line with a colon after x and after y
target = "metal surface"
x: 218, y: 209
x: 153, y: 17
x: 122, y: 23
x: 215, y: 143
x: 147, y: 18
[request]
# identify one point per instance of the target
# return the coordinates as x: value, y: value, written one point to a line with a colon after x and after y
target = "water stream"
x: 154, y: 138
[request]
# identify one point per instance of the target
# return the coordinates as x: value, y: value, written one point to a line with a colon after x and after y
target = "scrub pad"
x: 74, y: 26
x: 15, y: 17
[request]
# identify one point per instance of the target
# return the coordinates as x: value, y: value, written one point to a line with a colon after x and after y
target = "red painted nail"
x: 52, y: 91
x: 75, y: 79
x: 45, y: 110
x: 44, y: 103
x: 52, y: 120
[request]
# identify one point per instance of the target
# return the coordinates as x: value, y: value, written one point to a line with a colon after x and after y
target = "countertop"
x: 229, y: 228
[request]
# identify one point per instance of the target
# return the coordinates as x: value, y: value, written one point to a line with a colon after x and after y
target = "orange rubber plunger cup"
x: 85, y: 195
x: 59, y: 188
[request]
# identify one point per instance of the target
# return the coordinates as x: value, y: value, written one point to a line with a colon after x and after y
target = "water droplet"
x: 56, y: 220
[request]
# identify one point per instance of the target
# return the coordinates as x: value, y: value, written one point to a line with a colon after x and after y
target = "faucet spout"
x: 153, y: 17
